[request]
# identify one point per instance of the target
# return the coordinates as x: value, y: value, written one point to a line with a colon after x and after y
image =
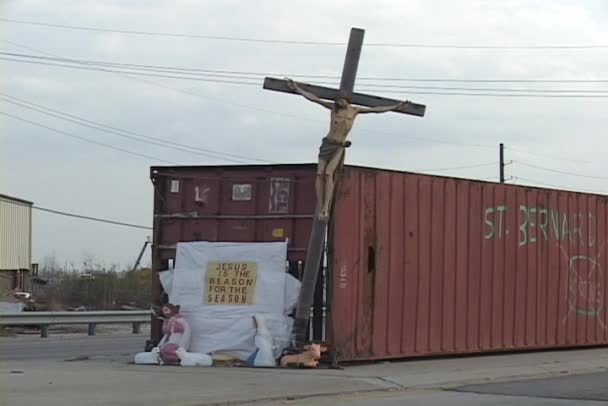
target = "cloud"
x: 248, y: 120
x: 38, y: 84
x: 110, y: 45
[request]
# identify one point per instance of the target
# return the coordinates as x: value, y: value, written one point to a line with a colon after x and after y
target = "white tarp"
x: 220, y: 286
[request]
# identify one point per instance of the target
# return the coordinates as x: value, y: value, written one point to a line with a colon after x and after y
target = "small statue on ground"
x: 343, y: 116
x: 191, y: 359
x: 309, y: 358
x: 173, y: 347
x: 176, y: 334
x: 263, y: 356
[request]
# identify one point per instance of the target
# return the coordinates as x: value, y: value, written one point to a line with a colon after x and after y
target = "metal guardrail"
x: 92, y: 318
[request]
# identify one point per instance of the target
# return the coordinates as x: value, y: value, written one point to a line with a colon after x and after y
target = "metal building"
x: 15, y: 244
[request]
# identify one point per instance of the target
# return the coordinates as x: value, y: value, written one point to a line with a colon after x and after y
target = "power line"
x: 566, y: 188
x: 536, y: 154
x: 542, y: 168
x: 489, y: 89
x: 179, y: 90
x: 118, y: 223
x: 126, y: 151
x: 158, y: 75
x: 168, y: 69
x: 297, y: 42
x: 584, y: 93
x: 456, y: 167
x: 126, y: 134
x: 241, y: 76
x: 95, y: 127
x: 293, y: 116
x: 531, y: 95
x: 255, y: 108
x: 259, y: 109
x: 448, y: 80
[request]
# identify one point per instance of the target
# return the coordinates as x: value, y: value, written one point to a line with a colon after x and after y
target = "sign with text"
x: 230, y: 283
x: 279, y: 195
x: 241, y: 192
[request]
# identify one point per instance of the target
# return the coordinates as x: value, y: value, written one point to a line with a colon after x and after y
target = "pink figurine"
x: 176, y: 334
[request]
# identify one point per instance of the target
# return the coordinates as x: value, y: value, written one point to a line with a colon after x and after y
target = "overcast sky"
x: 58, y: 172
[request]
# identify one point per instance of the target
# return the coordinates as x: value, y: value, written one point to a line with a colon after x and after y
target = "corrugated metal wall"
x: 418, y: 265
x: 15, y: 234
x: 427, y: 265
x: 248, y: 203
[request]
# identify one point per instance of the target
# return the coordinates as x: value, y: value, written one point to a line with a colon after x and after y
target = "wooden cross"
x: 319, y: 228
x: 347, y: 83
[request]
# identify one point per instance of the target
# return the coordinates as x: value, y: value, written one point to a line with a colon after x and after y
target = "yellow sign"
x: 231, y: 283
x: 278, y: 232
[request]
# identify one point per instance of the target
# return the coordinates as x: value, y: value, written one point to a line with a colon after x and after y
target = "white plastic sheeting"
x: 218, y: 324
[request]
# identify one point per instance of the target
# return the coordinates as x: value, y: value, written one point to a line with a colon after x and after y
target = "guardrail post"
x: 136, y: 328
x: 44, y: 331
x: 92, y: 329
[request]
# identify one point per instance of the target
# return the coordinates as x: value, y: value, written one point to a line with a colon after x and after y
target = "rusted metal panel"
x: 15, y: 233
x: 424, y: 265
x: 240, y: 203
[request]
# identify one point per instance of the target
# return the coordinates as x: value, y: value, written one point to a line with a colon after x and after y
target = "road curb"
x: 396, y: 388
x: 288, y: 398
x: 511, y: 378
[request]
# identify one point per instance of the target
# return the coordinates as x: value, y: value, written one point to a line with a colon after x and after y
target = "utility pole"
x: 141, y: 254
x: 502, y: 162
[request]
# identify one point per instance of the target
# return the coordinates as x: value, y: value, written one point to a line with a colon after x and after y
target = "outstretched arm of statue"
x: 309, y: 96
x: 381, y: 109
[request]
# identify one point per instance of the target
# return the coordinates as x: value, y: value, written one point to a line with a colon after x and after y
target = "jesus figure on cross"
x: 332, y: 146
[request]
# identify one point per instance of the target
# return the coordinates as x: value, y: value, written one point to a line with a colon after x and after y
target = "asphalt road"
x: 584, y: 390
x: 447, y: 398
x: 26, y: 348
x: 577, y: 388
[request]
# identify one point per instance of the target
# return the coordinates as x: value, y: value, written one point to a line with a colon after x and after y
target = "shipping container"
x: 15, y: 234
x: 416, y: 265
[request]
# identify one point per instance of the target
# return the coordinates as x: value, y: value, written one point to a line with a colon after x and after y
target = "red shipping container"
x: 417, y: 264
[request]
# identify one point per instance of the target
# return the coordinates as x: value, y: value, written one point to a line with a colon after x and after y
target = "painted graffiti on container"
x: 573, y: 230
x: 585, y: 293
x: 541, y: 224
x: 201, y: 195
x: 343, y: 278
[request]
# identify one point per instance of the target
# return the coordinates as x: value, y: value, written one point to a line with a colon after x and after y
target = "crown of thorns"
x: 343, y: 95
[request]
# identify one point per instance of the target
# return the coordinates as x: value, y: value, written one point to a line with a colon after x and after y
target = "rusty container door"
x: 425, y: 265
x: 237, y: 204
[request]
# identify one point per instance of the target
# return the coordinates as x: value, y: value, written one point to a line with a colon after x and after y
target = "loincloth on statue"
x: 329, y: 148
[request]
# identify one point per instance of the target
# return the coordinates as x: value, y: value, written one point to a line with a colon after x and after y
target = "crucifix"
x: 344, y: 106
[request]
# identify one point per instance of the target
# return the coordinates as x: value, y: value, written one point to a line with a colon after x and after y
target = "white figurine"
x: 193, y: 359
